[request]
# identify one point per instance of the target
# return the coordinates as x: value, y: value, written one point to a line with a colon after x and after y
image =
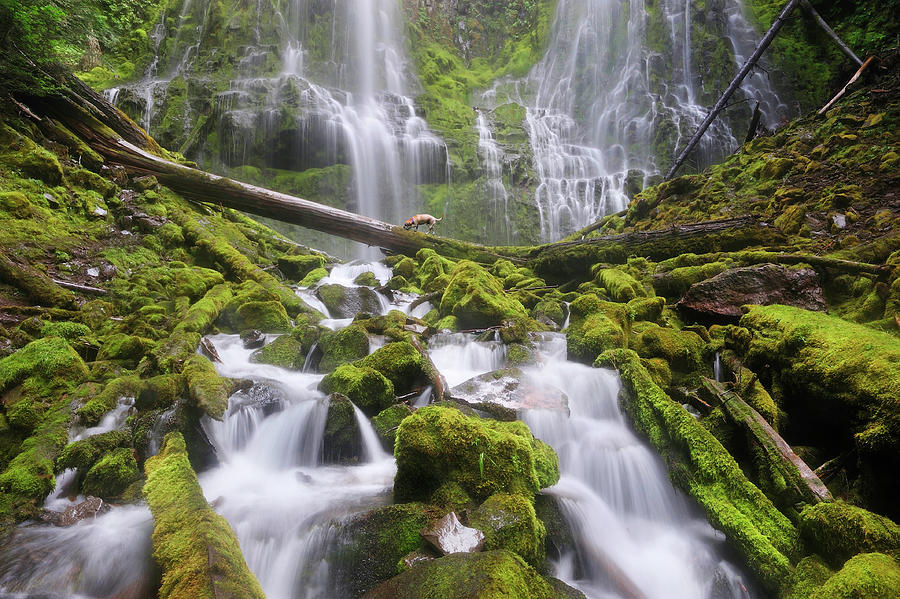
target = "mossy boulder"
x: 401, y: 363
x: 646, y: 308
x: 208, y: 391
x: 313, y: 277
x: 66, y: 329
x: 120, y: 346
x: 112, y: 474
x: 85, y: 453
x: 366, y: 387
x: 347, y: 302
x: 619, y: 285
x: 285, y: 351
x: 268, y: 317
x: 387, y: 421
x: 477, y: 299
x: 195, y: 548
x: 594, y: 326
x: 550, y: 310
x: 438, y: 444
x: 159, y: 392
x: 343, y: 346
x: 194, y: 282
x: 295, y: 268
x: 838, y: 531
x: 868, y: 575
x: 50, y: 358
x: 510, y: 522
x: 368, y: 279
x: 372, y: 544
x: 341, y: 441
x: 487, y: 575
x: 683, y: 350
x: 90, y: 413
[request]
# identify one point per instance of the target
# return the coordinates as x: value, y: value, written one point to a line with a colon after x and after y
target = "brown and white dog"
x: 422, y: 219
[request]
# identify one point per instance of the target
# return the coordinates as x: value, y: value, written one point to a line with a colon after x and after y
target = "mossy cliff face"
x: 196, y: 549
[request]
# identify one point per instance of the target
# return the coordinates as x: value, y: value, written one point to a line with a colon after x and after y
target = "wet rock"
x: 284, y: 352
x: 366, y: 387
x: 721, y: 297
x: 509, y: 522
x: 341, y: 441
x: 415, y: 557
x: 448, y: 535
x: 503, y: 392
x: 253, y: 338
x: 342, y: 346
x: 346, y: 302
x: 296, y: 268
x: 387, y: 421
x: 89, y: 508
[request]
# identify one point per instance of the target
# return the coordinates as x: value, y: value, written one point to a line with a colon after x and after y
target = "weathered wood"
x: 843, y: 91
x: 829, y: 31
x: 733, y: 86
x: 754, y: 123
x: 806, y: 484
x: 425, y: 298
x: 81, y: 288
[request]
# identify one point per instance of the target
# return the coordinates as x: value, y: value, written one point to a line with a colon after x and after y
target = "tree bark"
x: 843, y: 91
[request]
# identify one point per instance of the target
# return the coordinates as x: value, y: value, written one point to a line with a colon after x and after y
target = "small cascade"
x: 458, y: 357
x: 271, y: 486
x: 633, y: 528
x: 718, y: 371
x: 491, y: 157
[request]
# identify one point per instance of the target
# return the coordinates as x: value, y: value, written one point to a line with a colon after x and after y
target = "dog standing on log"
x: 422, y: 219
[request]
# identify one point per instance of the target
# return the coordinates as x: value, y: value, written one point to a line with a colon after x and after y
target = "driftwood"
x: 425, y: 298
x: 806, y: 485
x: 732, y: 87
x: 843, y: 91
x: 829, y: 31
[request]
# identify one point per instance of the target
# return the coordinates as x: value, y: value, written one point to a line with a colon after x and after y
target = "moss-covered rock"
x: 120, y: 346
x: 438, y: 444
x: 402, y: 364
x: 51, y: 358
x: 594, y: 326
x: 387, y: 421
x: 84, y: 454
x: 285, y: 351
x: 208, y: 391
x: 112, y: 474
x: 347, y: 302
x: 477, y: 299
x: 682, y: 350
x: 194, y: 282
x: 159, y: 392
x: 372, y: 544
x: 620, y: 285
x: 343, y: 346
x: 195, y: 548
x: 646, y: 308
x: 488, y: 575
x: 509, y: 522
x: 341, y: 441
x: 170, y: 354
x: 268, y: 317
x: 868, y: 575
x: 296, y: 268
x: 838, y: 530
x: 93, y: 410
x: 366, y: 387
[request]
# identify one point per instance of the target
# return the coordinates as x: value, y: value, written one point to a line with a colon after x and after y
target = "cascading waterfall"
x: 492, y: 158
x: 351, y: 105
x: 615, y: 95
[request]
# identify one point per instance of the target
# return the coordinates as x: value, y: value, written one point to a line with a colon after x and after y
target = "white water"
x: 601, y: 104
x: 492, y: 156
x: 271, y: 486
x: 459, y: 358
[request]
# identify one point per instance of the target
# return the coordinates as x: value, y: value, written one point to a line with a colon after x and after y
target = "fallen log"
x: 829, y: 31
x: 803, y: 482
x: 81, y: 288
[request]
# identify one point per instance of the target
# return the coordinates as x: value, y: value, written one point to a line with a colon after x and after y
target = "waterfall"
x: 344, y: 97
x: 491, y: 156
x: 617, y: 92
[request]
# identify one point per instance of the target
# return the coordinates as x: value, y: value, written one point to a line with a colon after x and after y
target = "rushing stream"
x: 633, y: 530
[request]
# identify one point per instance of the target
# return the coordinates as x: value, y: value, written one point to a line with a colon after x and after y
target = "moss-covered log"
x: 194, y: 546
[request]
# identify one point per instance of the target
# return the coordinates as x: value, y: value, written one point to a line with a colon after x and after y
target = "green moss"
x: 206, y: 389
x: 313, y: 277
x: 202, y: 314
x: 838, y: 530
x: 51, y: 358
x: 620, y: 286
x: 451, y: 497
x: 387, y: 421
x: 368, y: 279
x: 112, y: 474
x: 85, y: 453
x: 477, y: 299
x: 550, y: 309
x: 436, y: 445
x: 93, y: 410
x: 342, y: 346
x: 67, y: 330
x: 195, y: 281
x: 286, y: 351
x: 809, y: 574
x: 297, y: 268
x: 341, y: 440
x: 195, y: 548
x: 594, y: 326
x: 366, y: 387
x: 159, y: 392
x: 487, y: 575
x: 120, y: 346
x: 646, y: 308
x: 681, y: 349
x: 704, y: 469
x: 402, y: 364
x: 509, y: 522
x: 868, y: 575
x: 170, y: 355
x: 268, y: 317
x: 372, y: 544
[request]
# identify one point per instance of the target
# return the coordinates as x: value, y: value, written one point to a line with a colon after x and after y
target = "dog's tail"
x: 441, y: 218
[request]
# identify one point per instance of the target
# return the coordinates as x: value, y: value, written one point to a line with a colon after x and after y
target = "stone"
x: 91, y: 507
x: 502, y: 393
x: 253, y: 338
x: 448, y: 535
x: 721, y: 297
x: 347, y: 302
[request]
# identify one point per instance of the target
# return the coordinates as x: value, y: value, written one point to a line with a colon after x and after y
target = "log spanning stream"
x: 634, y: 535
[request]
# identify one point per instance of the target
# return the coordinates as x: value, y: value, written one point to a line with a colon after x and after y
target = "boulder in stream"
x: 91, y: 507
x: 448, y: 535
x: 347, y: 302
x: 502, y: 393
